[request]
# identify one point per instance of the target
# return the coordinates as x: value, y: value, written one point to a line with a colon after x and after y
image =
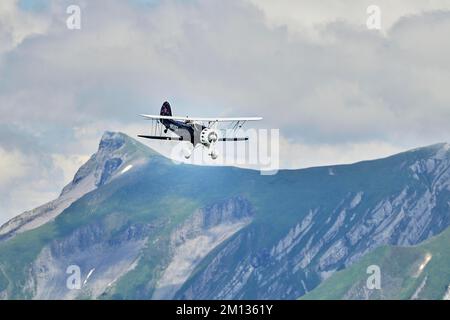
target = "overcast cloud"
x: 337, y: 91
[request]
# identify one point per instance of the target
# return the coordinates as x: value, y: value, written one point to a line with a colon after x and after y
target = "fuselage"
x: 188, y: 131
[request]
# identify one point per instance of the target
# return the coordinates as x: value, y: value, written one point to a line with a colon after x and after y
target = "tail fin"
x: 166, y: 110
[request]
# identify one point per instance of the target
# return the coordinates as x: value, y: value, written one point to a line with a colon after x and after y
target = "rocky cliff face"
x: 100, y: 259
x: 327, y: 240
x: 103, y: 254
x: 447, y: 294
x: 193, y: 240
x: 404, y: 272
x: 138, y: 226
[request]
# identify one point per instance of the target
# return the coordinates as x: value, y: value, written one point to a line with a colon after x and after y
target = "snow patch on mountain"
x: 127, y: 168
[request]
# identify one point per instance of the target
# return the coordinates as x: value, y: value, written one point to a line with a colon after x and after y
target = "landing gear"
x: 209, y: 137
x: 214, y: 154
x: 187, y: 151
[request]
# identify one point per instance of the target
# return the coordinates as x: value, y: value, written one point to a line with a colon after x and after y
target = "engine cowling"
x: 209, y: 136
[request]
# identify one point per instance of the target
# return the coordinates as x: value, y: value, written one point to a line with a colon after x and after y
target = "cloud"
x: 12, y: 166
x: 306, y: 156
x: 16, y: 25
x: 69, y: 164
x: 28, y: 180
x: 213, y: 58
x: 306, y: 15
x: 25, y: 180
x: 337, y: 91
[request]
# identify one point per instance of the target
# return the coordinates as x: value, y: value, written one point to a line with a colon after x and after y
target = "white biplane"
x: 198, y: 131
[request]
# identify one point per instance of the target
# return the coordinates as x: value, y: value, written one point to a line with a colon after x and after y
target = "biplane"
x: 203, y: 132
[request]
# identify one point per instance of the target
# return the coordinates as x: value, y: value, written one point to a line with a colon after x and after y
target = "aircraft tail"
x: 166, y: 110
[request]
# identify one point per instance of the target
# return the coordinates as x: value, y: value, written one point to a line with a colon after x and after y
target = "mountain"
x: 113, y: 153
x: 415, y: 272
x: 140, y: 226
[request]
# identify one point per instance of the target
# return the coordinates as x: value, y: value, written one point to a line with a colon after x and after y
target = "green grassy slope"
x: 401, y: 273
x: 164, y: 195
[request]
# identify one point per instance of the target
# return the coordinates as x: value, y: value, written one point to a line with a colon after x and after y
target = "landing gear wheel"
x: 214, y: 155
x: 187, y: 152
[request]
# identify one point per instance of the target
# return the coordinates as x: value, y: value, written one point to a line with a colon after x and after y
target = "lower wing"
x: 161, y: 138
x: 234, y: 139
x: 181, y: 138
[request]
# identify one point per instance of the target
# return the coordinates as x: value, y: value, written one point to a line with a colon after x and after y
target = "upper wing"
x: 149, y: 116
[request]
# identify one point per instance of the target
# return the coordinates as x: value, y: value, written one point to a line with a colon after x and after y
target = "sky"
x: 337, y: 91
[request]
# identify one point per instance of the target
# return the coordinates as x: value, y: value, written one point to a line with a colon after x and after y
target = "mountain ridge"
x: 86, y: 179
x: 295, y: 230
